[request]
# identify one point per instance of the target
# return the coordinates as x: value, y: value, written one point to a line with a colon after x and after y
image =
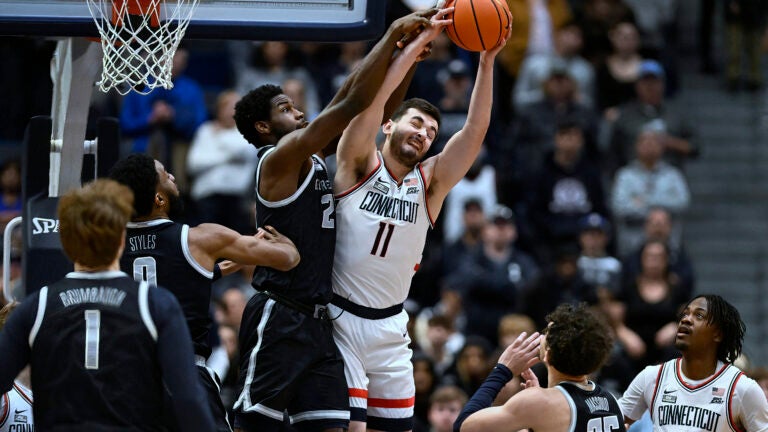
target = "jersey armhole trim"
x: 729, y: 409
x: 6, y: 408
x: 188, y: 254
x: 361, y: 182
x: 146, y: 316
x: 42, y: 300
x: 426, y: 197
x: 571, y: 405
x: 21, y: 393
x: 294, y: 196
x: 659, y: 377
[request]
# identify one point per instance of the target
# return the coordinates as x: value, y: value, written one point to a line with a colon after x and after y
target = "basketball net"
x: 139, y: 39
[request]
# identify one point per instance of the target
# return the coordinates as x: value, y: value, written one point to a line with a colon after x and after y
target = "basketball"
x: 478, y: 25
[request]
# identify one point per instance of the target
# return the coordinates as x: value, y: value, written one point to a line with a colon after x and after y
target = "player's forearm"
x: 484, y: 396
x: 479, y: 112
x: 368, y: 75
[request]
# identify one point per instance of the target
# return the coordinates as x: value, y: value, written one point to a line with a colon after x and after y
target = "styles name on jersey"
x: 142, y: 242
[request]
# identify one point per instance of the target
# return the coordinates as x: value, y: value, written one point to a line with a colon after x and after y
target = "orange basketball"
x: 478, y: 25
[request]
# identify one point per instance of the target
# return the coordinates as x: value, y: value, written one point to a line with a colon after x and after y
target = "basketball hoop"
x: 139, y: 39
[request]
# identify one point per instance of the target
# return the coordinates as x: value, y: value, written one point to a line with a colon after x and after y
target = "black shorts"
x: 290, y: 364
x: 212, y: 389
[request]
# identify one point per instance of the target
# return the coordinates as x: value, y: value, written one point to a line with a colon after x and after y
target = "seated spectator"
x: 471, y: 366
x: 650, y: 108
x: 273, y: 62
x: 510, y: 327
x: 658, y: 226
x: 425, y: 382
x: 444, y: 407
x: 535, y: 68
x: 436, y: 345
x: 163, y: 122
x: 568, y: 187
x: 449, y: 308
x: 559, y: 283
x: 533, y: 131
x: 491, y: 279
x: 653, y: 301
x: 600, y: 16
x: 645, y: 183
x: 478, y: 187
x: 596, y: 266
x: 221, y: 164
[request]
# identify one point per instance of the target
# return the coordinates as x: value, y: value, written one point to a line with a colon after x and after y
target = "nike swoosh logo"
x: 19, y: 412
x: 669, y: 391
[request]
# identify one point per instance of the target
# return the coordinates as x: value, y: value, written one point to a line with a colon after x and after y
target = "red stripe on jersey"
x: 6, y: 410
x: 426, y: 198
x: 679, y: 375
x: 732, y: 420
x: 656, y: 388
x: 358, y: 393
x: 22, y: 394
x: 391, y: 403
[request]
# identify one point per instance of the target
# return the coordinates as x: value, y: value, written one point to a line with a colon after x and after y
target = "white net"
x: 139, y: 39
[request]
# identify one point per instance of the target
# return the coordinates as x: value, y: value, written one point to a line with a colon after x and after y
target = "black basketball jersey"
x: 592, y: 411
x: 308, y: 219
x: 157, y: 251
x: 94, y: 355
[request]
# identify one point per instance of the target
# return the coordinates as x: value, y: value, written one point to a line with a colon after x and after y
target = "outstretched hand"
x: 495, y: 50
x: 424, y: 36
x: 522, y: 353
x: 529, y: 379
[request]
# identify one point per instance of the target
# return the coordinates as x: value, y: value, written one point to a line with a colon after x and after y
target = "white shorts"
x: 377, y: 365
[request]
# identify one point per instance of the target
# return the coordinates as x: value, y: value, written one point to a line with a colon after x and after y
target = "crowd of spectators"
x: 577, y: 196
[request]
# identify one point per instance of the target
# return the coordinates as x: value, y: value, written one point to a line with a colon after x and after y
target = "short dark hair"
x: 138, y: 172
x: 725, y: 316
x: 579, y: 340
x: 255, y: 106
x: 419, y: 104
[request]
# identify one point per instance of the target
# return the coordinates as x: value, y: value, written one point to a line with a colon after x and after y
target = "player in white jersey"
x: 16, y: 405
x: 702, y: 390
x: 385, y: 203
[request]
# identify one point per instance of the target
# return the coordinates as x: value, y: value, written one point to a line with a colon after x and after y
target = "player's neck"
x: 114, y: 266
x: 698, y: 366
x: 554, y: 377
x: 397, y: 169
x: 157, y: 213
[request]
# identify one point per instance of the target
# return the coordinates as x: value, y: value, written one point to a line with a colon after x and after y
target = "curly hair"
x: 725, y: 316
x: 139, y: 173
x: 255, y: 106
x: 579, y: 339
x: 92, y: 221
x: 418, y: 104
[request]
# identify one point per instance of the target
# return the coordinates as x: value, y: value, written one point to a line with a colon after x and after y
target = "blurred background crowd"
x: 621, y: 129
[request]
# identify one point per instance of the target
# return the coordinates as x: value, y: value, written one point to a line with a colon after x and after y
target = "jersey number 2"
x: 603, y: 424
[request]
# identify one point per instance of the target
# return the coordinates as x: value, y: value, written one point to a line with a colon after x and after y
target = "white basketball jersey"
x: 16, y: 410
x: 707, y: 406
x: 380, y: 236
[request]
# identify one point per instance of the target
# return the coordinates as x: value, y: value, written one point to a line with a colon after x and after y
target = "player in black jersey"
x: 102, y: 346
x: 288, y: 361
x: 575, y: 344
x: 184, y: 258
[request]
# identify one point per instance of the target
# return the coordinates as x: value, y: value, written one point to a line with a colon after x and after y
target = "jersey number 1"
x: 92, y: 327
x: 382, y: 227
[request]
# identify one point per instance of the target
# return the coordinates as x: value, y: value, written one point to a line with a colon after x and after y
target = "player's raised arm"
x: 462, y: 148
x: 356, y: 154
x: 356, y: 94
x: 269, y: 248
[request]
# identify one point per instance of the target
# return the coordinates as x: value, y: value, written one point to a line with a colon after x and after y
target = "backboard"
x: 288, y: 20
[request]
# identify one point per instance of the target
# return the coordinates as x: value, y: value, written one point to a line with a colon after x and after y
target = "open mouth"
x: 683, y: 331
x: 303, y: 124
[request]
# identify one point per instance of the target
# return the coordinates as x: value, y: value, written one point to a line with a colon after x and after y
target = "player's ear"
x: 387, y: 127
x: 159, y: 199
x: 262, y: 127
